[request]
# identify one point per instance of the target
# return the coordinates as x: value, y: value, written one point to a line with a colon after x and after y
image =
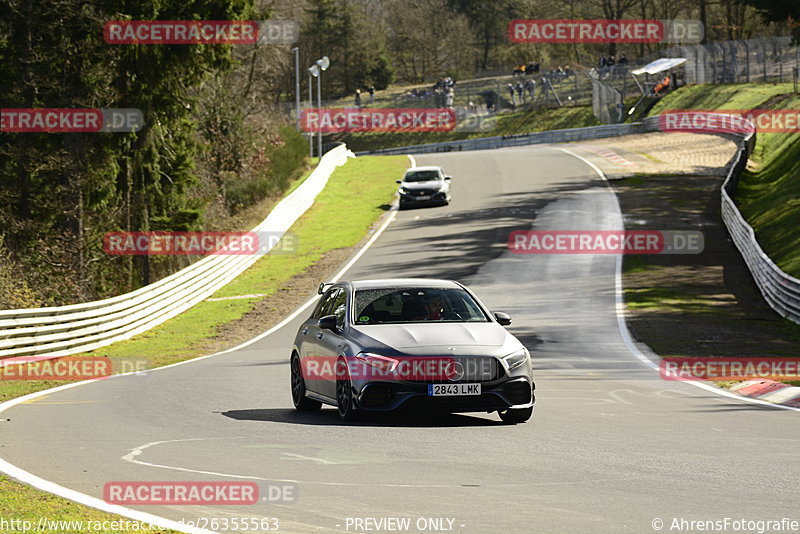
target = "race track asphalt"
x: 611, y: 446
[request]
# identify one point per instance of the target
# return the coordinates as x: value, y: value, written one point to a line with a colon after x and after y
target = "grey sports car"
x: 409, y: 344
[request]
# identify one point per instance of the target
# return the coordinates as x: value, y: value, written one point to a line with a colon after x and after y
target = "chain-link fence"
x: 606, y: 101
x: 772, y: 59
x: 768, y: 59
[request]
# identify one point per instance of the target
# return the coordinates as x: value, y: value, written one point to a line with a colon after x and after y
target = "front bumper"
x: 498, y: 395
x: 438, y: 197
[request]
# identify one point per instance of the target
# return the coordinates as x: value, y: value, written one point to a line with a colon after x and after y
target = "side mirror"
x: 447, y: 177
x: 502, y: 318
x: 327, y: 323
x: 398, y: 181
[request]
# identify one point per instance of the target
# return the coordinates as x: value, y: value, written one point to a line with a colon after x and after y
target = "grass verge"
x: 769, y: 191
x: 357, y: 194
x: 517, y: 122
x: 695, y: 305
x: 26, y: 506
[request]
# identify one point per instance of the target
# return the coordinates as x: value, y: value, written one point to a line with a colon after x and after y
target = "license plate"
x: 424, y: 197
x: 453, y: 390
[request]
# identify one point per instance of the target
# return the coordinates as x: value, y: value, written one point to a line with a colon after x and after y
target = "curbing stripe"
x: 782, y: 395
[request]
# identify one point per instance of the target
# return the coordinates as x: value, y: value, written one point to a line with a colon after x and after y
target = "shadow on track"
x: 330, y: 417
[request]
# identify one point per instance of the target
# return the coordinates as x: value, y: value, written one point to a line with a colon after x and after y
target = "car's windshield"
x: 421, y: 176
x: 415, y: 305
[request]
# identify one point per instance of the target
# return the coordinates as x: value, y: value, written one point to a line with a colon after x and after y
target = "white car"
x: 423, y: 186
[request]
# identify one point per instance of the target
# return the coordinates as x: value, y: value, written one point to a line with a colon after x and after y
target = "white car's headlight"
x: 515, y: 359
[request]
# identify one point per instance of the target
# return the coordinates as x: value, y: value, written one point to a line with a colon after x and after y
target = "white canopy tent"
x: 660, y: 65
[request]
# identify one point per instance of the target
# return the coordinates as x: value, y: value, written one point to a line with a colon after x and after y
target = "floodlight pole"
x: 310, y: 105
x: 319, y: 111
x: 296, y: 51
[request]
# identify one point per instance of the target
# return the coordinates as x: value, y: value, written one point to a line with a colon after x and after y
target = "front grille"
x: 375, y: 395
x: 476, y: 369
x: 421, y: 192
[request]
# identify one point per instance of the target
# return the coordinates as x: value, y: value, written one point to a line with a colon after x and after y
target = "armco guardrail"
x: 780, y: 290
x: 44, y: 333
x: 502, y: 141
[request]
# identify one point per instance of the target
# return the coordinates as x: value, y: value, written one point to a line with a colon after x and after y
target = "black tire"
x: 520, y: 415
x: 344, y: 393
x: 301, y: 402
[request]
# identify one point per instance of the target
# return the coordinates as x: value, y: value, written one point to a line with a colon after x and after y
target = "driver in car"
x: 435, y: 308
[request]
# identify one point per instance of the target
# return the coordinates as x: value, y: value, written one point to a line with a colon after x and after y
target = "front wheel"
x: 301, y: 402
x: 344, y: 392
x: 519, y: 415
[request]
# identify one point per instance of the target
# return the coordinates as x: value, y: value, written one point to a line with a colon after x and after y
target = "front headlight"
x: 384, y: 363
x: 515, y: 359
x: 403, y: 191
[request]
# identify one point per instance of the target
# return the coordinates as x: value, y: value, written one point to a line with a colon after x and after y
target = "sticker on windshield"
x: 363, y: 319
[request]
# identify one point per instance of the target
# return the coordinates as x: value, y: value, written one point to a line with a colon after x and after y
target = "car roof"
x: 404, y: 282
x: 425, y: 168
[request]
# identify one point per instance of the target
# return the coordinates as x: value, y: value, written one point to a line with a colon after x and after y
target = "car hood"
x: 412, y: 186
x: 438, y: 338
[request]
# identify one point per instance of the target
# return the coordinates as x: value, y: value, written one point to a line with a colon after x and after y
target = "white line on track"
x: 99, y: 504
x: 132, y: 457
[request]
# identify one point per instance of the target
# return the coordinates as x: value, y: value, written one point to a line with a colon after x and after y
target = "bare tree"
x: 426, y: 39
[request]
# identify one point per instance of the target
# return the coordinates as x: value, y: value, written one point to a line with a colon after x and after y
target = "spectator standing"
x: 489, y: 101
x: 520, y: 92
x: 511, y: 94
x: 623, y: 63
x: 530, y: 86
x: 371, y: 94
x: 358, y: 98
